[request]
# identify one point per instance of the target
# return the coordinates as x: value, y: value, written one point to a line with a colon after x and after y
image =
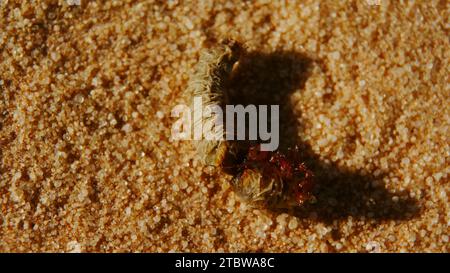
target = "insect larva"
x: 213, y: 72
x: 262, y: 179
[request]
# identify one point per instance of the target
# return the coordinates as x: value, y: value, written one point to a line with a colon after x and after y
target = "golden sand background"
x: 85, y: 99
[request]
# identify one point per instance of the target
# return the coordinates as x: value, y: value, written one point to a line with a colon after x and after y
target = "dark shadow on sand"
x: 271, y: 79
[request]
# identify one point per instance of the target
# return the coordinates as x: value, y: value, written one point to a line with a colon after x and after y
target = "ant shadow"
x: 271, y: 79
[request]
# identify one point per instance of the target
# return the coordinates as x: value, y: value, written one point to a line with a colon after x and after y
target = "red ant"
x: 272, y: 179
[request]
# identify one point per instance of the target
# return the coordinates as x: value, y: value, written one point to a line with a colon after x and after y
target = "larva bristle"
x: 209, y: 81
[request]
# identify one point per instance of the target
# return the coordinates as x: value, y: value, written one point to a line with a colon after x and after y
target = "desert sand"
x: 86, y: 91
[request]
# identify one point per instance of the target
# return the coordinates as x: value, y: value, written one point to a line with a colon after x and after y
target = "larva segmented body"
x: 209, y: 82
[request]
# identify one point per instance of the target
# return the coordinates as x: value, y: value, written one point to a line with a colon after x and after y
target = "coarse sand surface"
x: 86, y: 92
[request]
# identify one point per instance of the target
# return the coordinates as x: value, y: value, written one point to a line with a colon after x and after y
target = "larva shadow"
x: 271, y: 79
